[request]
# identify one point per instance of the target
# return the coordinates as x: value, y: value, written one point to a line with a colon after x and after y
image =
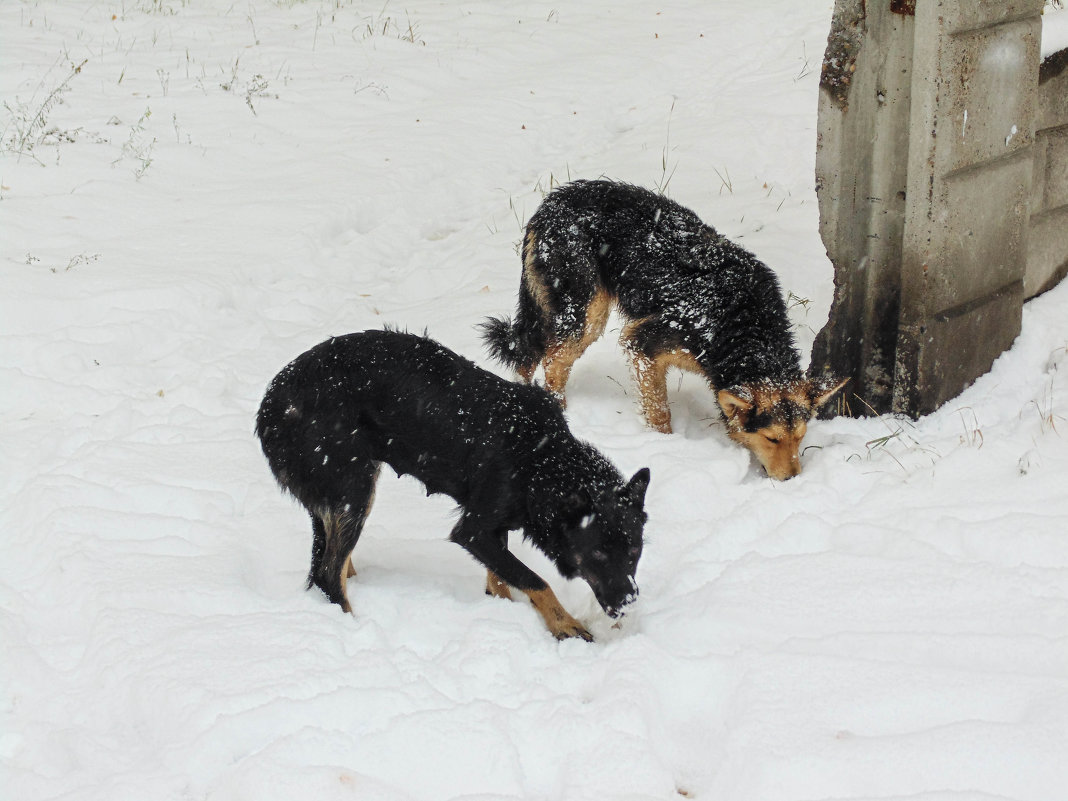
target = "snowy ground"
x: 213, y: 188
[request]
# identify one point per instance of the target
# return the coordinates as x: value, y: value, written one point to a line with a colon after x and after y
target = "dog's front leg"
x: 488, y: 548
x: 496, y: 587
x: 649, y: 372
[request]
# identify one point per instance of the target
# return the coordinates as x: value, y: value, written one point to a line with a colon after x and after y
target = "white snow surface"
x: 1054, y: 28
x: 222, y: 185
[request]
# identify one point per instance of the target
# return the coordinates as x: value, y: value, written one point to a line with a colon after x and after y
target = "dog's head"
x: 606, y: 542
x: 771, y: 420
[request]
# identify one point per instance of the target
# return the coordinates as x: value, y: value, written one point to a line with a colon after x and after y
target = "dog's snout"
x: 616, y: 611
x: 785, y: 472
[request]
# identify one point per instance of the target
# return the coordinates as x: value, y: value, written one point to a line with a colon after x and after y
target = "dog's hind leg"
x: 561, y: 287
x: 561, y: 355
x: 336, y: 529
x: 519, y: 344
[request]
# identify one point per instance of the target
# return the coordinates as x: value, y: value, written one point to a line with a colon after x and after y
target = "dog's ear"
x: 636, y: 487
x: 734, y: 401
x: 823, y: 388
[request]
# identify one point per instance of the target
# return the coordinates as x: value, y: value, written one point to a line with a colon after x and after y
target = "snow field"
x: 891, y: 624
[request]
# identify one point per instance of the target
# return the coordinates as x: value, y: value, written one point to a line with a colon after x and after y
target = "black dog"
x: 502, y: 450
x: 691, y: 298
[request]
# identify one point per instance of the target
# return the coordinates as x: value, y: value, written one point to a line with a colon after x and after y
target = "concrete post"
x: 861, y: 173
x: 924, y: 176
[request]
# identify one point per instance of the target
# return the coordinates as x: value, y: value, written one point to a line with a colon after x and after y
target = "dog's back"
x: 691, y: 287
x: 402, y: 399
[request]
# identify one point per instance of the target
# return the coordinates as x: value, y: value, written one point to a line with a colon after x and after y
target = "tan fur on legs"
x: 561, y: 356
x: 331, y: 524
x: 535, y: 286
x: 347, y: 571
x: 532, y: 277
x: 650, y: 374
x: 560, y: 623
x: 345, y: 577
x: 496, y: 587
x: 557, y: 363
x: 651, y: 377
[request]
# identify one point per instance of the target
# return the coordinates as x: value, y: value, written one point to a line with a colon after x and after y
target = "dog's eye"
x: 772, y: 440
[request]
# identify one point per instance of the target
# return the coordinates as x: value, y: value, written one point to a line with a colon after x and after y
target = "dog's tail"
x: 513, y: 344
x: 510, y: 343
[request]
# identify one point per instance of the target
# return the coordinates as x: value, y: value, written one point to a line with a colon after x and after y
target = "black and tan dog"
x: 502, y: 450
x: 690, y: 299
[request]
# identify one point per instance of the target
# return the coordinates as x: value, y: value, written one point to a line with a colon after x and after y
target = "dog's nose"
x: 616, y: 612
x: 791, y: 470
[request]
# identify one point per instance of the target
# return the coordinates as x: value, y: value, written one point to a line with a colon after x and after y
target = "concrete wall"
x: 1047, y: 239
x: 929, y: 116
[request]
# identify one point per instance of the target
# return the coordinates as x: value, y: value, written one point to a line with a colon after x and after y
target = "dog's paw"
x: 573, y: 629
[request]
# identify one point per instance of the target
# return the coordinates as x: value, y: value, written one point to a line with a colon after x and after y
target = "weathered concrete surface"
x: 1049, y: 189
x: 974, y: 88
x: 1047, y: 238
x: 924, y: 174
x: 861, y: 174
x: 962, y: 15
x: 1053, y: 91
x: 1047, y: 251
x: 984, y: 90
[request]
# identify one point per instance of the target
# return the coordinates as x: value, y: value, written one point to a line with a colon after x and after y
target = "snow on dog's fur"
x: 691, y: 299
x: 501, y: 450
